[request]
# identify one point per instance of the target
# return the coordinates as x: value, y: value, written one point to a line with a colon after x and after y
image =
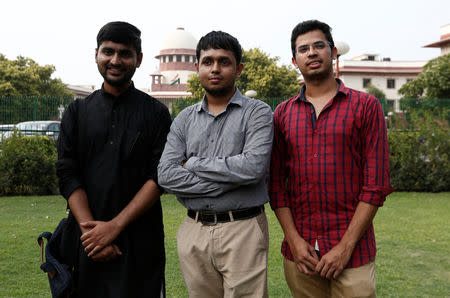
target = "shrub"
x: 27, y: 166
x: 419, y: 159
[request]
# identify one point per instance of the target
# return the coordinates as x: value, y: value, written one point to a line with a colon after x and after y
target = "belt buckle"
x: 209, y: 223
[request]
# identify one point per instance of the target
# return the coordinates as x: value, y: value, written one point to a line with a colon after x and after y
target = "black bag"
x: 55, y: 265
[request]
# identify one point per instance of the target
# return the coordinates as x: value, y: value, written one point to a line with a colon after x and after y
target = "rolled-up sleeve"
x: 278, y: 170
x: 162, y: 125
x: 67, y: 165
x: 376, y: 183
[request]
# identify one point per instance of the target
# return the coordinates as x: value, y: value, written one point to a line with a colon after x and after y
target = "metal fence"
x: 19, y: 109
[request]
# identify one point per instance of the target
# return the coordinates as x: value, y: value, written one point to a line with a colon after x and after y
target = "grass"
x: 412, y: 230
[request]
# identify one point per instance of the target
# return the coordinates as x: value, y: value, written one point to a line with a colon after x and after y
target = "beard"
x: 118, y: 81
x: 221, y: 91
x: 318, y: 76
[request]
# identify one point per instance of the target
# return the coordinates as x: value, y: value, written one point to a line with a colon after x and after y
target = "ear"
x: 196, y: 66
x: 139, y: 60
x: 334, y: 53
x: 96, y: 53
x: 294, y: 62
x: 239, y: 70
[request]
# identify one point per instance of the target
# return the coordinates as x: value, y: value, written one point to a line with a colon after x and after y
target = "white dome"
x: 179, y: 39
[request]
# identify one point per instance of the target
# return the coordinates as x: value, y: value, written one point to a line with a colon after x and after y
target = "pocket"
x: 130, y: 142
x: 263, y: 229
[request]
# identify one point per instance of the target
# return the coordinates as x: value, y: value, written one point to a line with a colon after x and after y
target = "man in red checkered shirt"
x: 329, y: 174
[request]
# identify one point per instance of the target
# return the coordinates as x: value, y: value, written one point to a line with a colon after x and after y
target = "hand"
x: 333, y: 262
x: 108, y: 253
x: 100, y: 235
x: 304, y: 255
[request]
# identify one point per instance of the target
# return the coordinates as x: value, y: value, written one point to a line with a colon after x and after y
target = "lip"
x: 114, y: 70
x: 314, y: 61
x: 215, y: 79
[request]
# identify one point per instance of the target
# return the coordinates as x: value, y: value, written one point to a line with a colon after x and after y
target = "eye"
x: 206, y: 62
x: 126, y: 54
x: 107, y: 51
x: 302, y: 49
x: 224, y: 62
x: 319, y: 45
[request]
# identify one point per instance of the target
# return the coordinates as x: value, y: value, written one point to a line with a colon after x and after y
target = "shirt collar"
x: 127, y: 92
x: 341, y: 90
x: 236, y: 99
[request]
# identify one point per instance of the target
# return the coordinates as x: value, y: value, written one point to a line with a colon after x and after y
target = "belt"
x: 210, y: 218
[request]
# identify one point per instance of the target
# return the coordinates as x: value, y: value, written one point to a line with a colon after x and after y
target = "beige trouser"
x: 224, y: 260
x: 352, y: 282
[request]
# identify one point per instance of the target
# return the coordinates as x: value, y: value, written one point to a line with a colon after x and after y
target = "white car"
x: 30, y: 128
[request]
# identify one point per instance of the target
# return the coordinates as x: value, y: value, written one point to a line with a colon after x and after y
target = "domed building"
x: 176, y: 64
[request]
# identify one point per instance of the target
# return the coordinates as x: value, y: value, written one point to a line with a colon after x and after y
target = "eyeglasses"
x: 317, y: 46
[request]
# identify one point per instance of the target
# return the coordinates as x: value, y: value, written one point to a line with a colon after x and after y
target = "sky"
x: 63, y: 33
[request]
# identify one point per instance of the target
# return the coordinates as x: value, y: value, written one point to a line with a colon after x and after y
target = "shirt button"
x: 316, y: 155
x: 111, y: 142
x: 113, y: 126
x: 212, y: 140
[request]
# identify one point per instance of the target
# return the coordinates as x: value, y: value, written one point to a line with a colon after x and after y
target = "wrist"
x: 117, y: 224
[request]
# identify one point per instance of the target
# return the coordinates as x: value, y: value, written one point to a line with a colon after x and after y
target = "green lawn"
x: 412, y: 230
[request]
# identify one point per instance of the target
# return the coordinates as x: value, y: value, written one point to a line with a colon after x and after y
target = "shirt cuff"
x: 374, y: 195
x: 190, y: 163
x: 276, y: 203
x: 67, y: 190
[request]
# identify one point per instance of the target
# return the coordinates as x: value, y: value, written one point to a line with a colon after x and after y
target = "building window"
x: 170, y: 58
x: 178, y: 58
x: 390, y: 83
x: 186, y: 58
x: 193, y: 59
x: 366, y: 82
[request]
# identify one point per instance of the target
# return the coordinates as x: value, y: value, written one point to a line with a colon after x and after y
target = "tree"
x: 262, y: 74
x: 378, y: 93
x: 432, y: 82
x: 25, y: 77
x: 27, y: 89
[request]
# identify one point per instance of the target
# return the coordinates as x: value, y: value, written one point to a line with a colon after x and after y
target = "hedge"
x: 419, y: 161
x: 27, y: 166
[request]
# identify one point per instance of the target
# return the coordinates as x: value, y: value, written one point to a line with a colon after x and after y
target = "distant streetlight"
x: 251, y: 93
x: 342, y: 49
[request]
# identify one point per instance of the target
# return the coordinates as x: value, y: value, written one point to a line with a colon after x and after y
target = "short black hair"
x: 220, y: 40
x: 120, y: 32
x: 307, y: 26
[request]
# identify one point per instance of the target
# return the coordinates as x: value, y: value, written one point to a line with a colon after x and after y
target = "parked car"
x: 4, y: 129
x: 31, y: 128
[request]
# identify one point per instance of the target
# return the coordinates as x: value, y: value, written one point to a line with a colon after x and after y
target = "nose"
x: 312, y: 51
x: 215, y: 67
x: 115, y: 59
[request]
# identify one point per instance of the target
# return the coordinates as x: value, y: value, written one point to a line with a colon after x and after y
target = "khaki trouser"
x: 224, y: 260
x: 352, y: 282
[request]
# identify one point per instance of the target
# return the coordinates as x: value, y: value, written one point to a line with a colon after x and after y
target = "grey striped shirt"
x: 226, y: 156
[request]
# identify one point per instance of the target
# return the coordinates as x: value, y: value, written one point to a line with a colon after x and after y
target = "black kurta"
x: 110, y: 146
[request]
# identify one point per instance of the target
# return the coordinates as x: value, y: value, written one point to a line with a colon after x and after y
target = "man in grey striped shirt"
x: 215, y: 161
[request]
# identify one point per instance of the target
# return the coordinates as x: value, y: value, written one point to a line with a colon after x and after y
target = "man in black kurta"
x: 108, y: 151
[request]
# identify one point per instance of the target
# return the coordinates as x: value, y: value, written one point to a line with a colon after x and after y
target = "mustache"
x: 109, y: 66
x: 314, y: 60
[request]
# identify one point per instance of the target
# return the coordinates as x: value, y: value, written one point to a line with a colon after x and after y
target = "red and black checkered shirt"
x: 321, y: 168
